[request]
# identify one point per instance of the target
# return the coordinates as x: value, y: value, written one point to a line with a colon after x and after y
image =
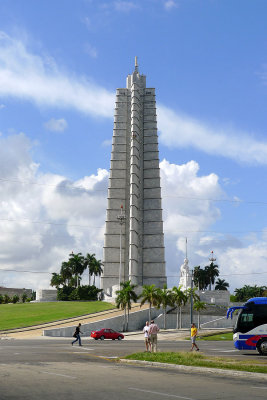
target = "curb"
x: 200, y: 370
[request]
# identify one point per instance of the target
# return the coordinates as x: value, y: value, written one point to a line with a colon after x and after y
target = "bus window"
x: 246, y: 322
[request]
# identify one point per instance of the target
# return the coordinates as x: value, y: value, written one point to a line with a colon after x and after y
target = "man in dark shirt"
x: 77, y: 335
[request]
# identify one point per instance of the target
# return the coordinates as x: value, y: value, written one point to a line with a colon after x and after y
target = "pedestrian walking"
x: 153, y: 332
x: 147, y: 337
x: 77, y: 335
x: 193, y: 337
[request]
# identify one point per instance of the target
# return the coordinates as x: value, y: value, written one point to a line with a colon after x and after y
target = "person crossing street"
x: 77, y: 335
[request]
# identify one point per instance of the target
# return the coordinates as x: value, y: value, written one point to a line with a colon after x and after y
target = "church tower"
x: 134, y: 239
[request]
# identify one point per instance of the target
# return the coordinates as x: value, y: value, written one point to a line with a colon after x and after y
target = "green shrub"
x: 64, y: 293
x: 1, y: 299
x: 86, y: 292
x: 24, y: 297
x: 15, y: 299
x: 7, y: 299
x: 233, y: 298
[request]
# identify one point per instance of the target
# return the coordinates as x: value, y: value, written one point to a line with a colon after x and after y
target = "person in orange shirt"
x: 193, y: 337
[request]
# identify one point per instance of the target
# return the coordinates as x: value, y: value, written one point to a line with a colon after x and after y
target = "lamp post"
x: 191, y: 299
x: 121, y: 218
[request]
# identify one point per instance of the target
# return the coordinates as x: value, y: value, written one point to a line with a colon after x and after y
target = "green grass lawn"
x: 199, y: 360
x: 26, y: 314
x: 220, y: 336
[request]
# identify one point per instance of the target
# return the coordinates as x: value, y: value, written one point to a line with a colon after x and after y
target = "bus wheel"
x: 262, y: 347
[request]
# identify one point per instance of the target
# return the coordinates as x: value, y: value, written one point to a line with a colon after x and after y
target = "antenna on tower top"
x: 136, y: 64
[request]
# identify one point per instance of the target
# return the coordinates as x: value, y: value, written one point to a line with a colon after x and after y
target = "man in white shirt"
x: 153, y: 331
x: 147, y: 337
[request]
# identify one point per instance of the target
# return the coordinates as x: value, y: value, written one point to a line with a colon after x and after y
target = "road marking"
x: 223, y: 350
x: 83, y: 348
x: 228, y: 351
x: 161, y: 394
x: 259, y: 387
x: 52, y: 373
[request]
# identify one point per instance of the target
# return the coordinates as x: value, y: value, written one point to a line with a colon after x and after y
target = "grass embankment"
x: 27, y: 314
x: 219, y: 336
x: 199, y: 360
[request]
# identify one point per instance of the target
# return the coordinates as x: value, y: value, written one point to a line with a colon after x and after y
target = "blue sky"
x: 60, y: 64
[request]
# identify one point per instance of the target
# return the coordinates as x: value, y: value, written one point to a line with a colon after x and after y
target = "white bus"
x: 250, y: 331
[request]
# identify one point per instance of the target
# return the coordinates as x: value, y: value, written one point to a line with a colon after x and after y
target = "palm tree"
x: 121, y: 302
x: 88, y: 263
x: 246, y: 292
x: 179, y: 299
x: 131, y: 296
x: 66, y: 272
x: 96, y: 269
x: 198, y: 306
x: 212, y: 272
x: 149, y: 295
x: 221, y: 284
x: 200, y: 278
x: 77, y: 264
x: 56, y: 280
x: 165, y: 299
x: 125, y: 296
x: 193, y: 296
x: 192, y: 292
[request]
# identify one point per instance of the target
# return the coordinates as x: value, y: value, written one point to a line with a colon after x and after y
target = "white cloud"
x: 90, y: 50
x: 34, y: 78
x: 125, y: 6
x: 30, y: 77
x: 181, y: 131
x: 43, y: 217
x: 56, y: 125
x: 244, y: 266
x: 185, y: 216
x: 87, y: 22
x: 107, y: 143
x: 2, y: 106
x: 170, y: 4
x: 263, y: 73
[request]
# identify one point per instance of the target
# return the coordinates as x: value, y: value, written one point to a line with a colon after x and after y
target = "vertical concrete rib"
x: 135, y: 185
x: 116, y: 194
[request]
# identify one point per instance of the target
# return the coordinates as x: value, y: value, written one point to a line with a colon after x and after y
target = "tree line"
x: 157, y: 297
x: 68, y: 280
x: 247, y: 292
x: 6, y: 299
x: 204, y: 278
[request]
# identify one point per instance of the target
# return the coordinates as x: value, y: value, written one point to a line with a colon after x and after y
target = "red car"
x: 106, y: 334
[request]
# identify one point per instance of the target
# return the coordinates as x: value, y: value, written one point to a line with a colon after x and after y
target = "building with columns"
x: 134, y: 239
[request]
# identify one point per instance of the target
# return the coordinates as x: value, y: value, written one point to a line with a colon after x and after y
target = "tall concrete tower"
x: 134, y: 240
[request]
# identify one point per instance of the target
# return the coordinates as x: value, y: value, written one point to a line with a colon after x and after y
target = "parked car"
x: 106, y: 334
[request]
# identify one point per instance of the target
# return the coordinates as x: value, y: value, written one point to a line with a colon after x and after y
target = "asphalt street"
x: 52, y: 368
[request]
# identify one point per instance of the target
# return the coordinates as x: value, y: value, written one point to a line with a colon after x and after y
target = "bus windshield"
x: 251, y: 317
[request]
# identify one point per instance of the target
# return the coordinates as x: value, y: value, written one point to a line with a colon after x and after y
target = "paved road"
x: 52, y: 368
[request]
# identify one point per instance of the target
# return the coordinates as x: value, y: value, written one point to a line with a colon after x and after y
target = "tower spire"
x: 135, y: 64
